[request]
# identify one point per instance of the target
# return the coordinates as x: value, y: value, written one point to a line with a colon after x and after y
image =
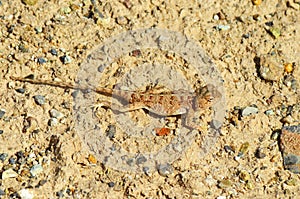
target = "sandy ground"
x: 42, y: 154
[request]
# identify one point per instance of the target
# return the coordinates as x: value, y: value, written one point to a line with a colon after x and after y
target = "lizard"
x: 163, y: 104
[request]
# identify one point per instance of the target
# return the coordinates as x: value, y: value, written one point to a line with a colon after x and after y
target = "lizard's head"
x: 206, y: 96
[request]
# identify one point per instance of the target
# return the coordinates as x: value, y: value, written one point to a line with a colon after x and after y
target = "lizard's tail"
x: 50, y: 83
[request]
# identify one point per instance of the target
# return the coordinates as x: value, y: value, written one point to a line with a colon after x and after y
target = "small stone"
x: 12, y: 160
x: 36, y: 169
x: 3, y: 156
x: 52, y: 122
x: 216, y: 17
x: 30, y: 2
x: 39, y: 99
x: 60, y: 194
x: 224, y: 184
x: 20, y: 90
x: 1, y: 131
x: 275, y: 32
x: 249, y: 185
x: 66, y: 59
x: 269, y: 68
x: 146, y: 170
x: 256, y: 2
x: 53, y: 52
x: 38, y: 29
x: 2, y: 193
x: 244, y: 175
x: 26, y: 194
x: 111, y: 131
x: 66, y: 10
x: 292, y: 182
x: 269, y: 112
x: 9, y: 173
x: 122, y: 20
x: 165, y: 169
x: 56, y: 114
x: 130, y: 162
x: 228, y: 149
x: 287, y: 120
x: 2, y: 112
x: 243, y: 149
x: 249, y: 110
x: 275, y: 135
x: 111, y: 184
x: 141, y: 160
x: 259, y: 154
x: 222, y: 27
x: 289, y: 144
x: 92, y: 159
x: 41, y: 60
x: 288, y: 67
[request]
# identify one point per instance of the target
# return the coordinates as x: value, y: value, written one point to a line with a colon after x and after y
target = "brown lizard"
x: 164, y: 104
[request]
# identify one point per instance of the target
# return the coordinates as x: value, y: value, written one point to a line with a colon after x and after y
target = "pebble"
x: 1, y: 131
x: 2, y: 193
x: 291, y: 182
x: 30, y: 2
x: 275, y: 32
x: 269, y: 68
x: 20, y: 90
x: 3, y: 156
x: 122, y: 20
x: 56, y: 114
x: 269, y: 112
x: 243, y: 150
x: 146, y: 170
x: 41, y: 60
x: 288, y: 67
x: 12, y: 160
x: 38, y: 29
x: 224, y: 184
x: 222, y: 27
x: 256, y: 2
x: 26, y: 194
x: 141, y: 160
x: 53, y: 52
x: 249, y: 110
x: 228, y: 149
x: 9, y: 173
x: 289, y: 144
x: 53, y: 122
x: 111, y: 184
x: 111, y: 131
x: 2, y: 112
x: 92, y: 159
x: 66, y: 59
x: 287, y: 120
x: 39, y: 99
x: 36, y: 169
x: 216, y: 17
x: 259, y: 153
x: 244, y: 175
x: 60, y: 194
x: 165, y: 169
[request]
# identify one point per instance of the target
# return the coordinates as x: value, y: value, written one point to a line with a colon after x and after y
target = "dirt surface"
x: 43, y: 154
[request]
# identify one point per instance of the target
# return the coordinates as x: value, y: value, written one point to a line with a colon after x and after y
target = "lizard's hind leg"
x: 117, y: 107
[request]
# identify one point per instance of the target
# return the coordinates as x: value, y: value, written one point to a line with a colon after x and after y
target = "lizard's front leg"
x: 190, y: 120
